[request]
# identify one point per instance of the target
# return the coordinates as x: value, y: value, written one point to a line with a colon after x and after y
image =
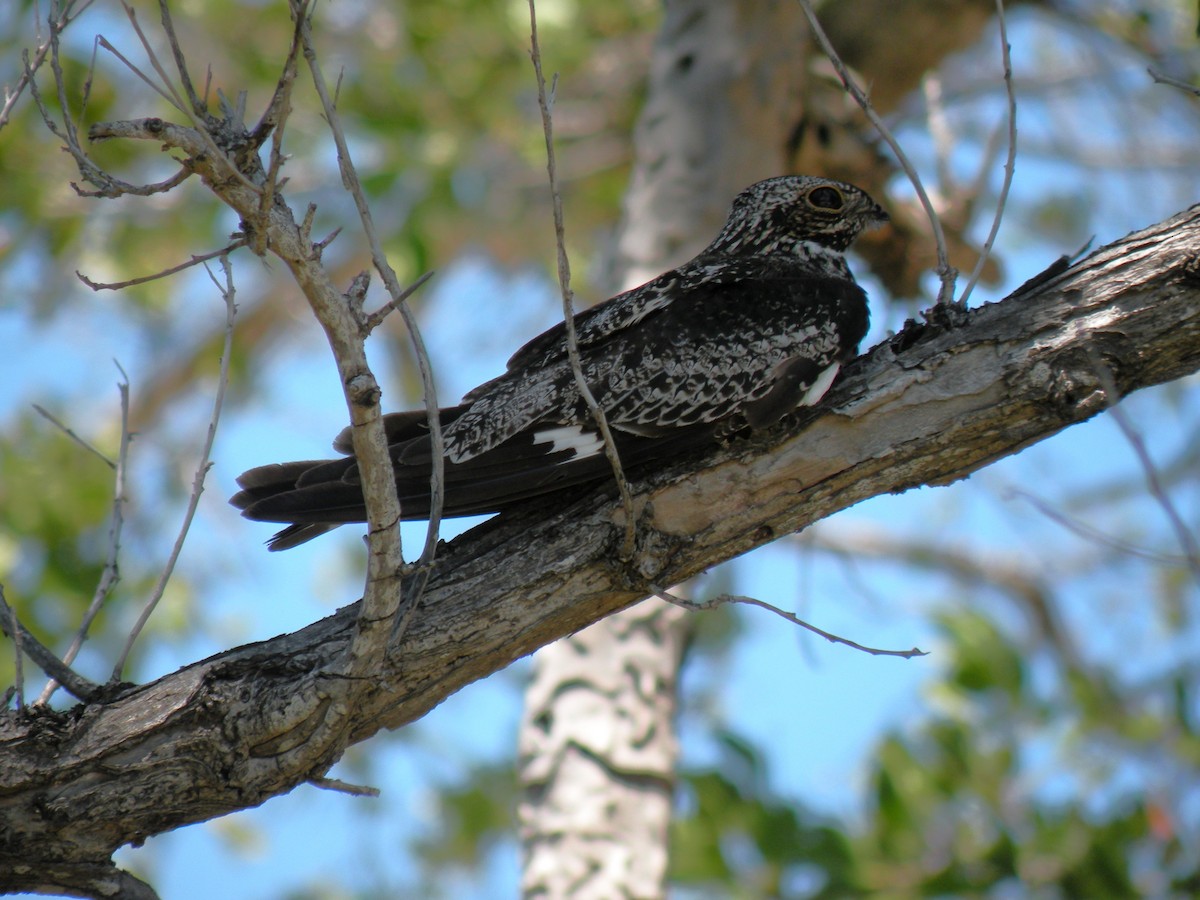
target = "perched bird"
x: 754, y: 326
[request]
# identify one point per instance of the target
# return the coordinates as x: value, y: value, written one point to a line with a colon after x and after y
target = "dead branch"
x: 62, y: 15
x: 112, y: 571
x: 1010, y: 161
x: 228, y: 294
x: 25, y: 642
x: 722, y: 599
x: 564, y: 284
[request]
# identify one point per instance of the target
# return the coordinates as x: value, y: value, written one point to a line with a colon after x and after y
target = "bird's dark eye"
x: 826, y: 198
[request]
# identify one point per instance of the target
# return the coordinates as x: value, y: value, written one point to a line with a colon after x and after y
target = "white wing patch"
x: 820, y: 386
x: 570, y: 437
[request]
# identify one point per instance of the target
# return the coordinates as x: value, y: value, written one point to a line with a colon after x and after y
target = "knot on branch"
x: 363, y: 391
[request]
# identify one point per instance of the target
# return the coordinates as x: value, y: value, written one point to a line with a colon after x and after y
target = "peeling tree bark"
x: 931, y: 405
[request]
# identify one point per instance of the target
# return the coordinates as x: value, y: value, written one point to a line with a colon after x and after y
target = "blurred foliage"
x: 1005, y: 790
x: 472, y: 816
x: 437, y: 98
x: 960, y: 804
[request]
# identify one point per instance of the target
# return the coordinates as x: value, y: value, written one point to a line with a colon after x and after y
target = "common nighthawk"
x: 754, y: 326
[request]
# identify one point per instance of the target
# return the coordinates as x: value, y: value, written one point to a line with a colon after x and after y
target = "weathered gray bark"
x: 927, y: 407
x: 597, y: 744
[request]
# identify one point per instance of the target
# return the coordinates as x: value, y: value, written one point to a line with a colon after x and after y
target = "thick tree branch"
x: 931, y: 405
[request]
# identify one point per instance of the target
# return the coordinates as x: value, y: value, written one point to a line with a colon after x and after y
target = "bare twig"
x: 77, y: 685
x: 107, y: 185
x: 143, y: 279
x: 1007, y: 574
x: 227, y: 294
x: 946, y: 273
x: 60, y: 85
x: 1162, y: 78
x: 114, y: 187
x: 169, y: 95
x: 1009, y: 163
x: 198, y: 104
x: 14, y: 628
x: 391, y: 282
x: 371, y: 321
x: 173, y: 97
x: 698, y: 606
x: 86, y: 91
x: 46, y: 414
x: 112, y: 573
x: 1187, y: 541
x: 29, y: 70
x: 274, y: 117
x: 199, y: 115
x: 344, y: 787
x: 274, y: 122
x: 1094, y: 535
x: 564, y: 283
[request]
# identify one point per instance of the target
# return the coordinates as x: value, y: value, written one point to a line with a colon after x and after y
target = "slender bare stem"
x: 14, y: 629
x: 1187, y: 540
x: 12, y: 95
x: 351, y: 180
x: 82, y: 442
x: 1009, y: 163
x: 1093, y: 535
x: 112, y: 573
x: 106, y: 184
x: 198, y: 106
x: 945, y: 271
x: 274, y: 120
x: 564, y: 283
x: 375, y: 319
x: 169, y: 95
x: 344, y: 787
x: 199, y: 114
x: 1163, y: 78
x: 698, y: 606
x: 227, y: 294
x: 77, y: 685
x: 143, y: 279
x: 60, y: 85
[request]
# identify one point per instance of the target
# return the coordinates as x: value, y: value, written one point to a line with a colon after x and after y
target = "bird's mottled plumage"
x: 754, y: 326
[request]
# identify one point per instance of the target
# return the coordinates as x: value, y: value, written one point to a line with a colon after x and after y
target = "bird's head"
x: 780, y: 214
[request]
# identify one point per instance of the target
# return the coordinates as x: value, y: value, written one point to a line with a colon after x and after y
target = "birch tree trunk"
x: 597, y: 742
